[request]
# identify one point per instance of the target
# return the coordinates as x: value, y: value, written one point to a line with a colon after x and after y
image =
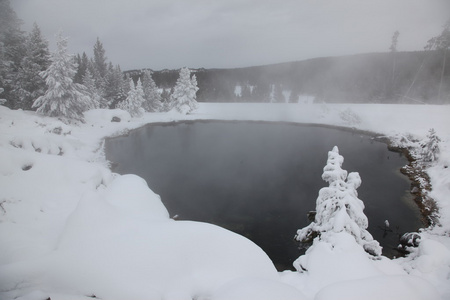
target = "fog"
x: 234, y: 33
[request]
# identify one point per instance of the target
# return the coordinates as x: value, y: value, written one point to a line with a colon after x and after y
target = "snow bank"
x: 120, y: 243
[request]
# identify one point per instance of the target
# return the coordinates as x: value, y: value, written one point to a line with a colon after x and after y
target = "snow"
x: 71, y: 229
x: 257, y: 288
x: 381, y: 287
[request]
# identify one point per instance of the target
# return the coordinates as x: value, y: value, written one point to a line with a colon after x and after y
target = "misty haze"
x: 224, y: 150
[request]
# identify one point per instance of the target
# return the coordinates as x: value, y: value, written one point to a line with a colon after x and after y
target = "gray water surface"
x: 260, y: 179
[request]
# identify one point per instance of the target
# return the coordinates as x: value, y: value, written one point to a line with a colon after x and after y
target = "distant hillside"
x: 402, y: 77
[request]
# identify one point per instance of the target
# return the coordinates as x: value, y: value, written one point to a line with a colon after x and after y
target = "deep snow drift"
x: 70, y: 229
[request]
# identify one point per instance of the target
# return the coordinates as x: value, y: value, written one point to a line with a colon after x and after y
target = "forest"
x: 391, y: 77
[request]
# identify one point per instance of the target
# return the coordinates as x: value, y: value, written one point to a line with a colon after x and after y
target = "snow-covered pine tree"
x: 430, y: 147
x: 124, y: 89
x: 99, y: 60
x: 152, y: 98
x: 89, y: 83
x: 114, y: 88
x: 338, y: 208
x: 183, y: 98
x: 98, y: 67
x: 12, y: 51
x: 134, y: 100
x: 63, y: 97
x: 29, y: 84
x: 82, y: 62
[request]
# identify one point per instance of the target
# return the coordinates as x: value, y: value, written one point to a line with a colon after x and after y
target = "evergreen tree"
x: 114, y: 82
x: 118, y: 86
x: 89, y: 83
x: 183, y: 98
x: 430, y: 147
x: 338, y: 208
x: 63, y: 97
x: 122, y: 90
x: 152, y: 98
x: 82, y: 62
x: 100, y: 83
x: 134, y: 100
x: 100, y: 59
x: 29, y: 84
x: 98, y: 68
x: 12, y: 51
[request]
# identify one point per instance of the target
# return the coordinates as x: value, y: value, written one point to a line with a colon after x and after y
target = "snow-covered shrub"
x: 430, y: 147
x: 183, y: 98
x: 338, y: 208
x: 350, y: 117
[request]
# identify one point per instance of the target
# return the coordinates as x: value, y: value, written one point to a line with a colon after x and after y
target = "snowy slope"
x: 70, y: 229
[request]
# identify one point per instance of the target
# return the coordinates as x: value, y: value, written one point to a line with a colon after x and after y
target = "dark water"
x: 260, y: 179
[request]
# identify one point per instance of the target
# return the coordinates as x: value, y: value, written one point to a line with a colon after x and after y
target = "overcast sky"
x: 162, y: 34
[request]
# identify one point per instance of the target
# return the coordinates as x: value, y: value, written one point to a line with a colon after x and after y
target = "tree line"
x: 63, y: 85
x: 390, y: 77
x: 418, y: 77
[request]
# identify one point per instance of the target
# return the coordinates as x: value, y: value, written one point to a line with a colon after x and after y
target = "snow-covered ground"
x: 71, y: 229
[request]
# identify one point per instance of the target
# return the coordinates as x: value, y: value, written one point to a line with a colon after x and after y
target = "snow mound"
x: 339, y: 259
x: 383, y: 287
x: 120, y: 244
x: 130, y: 194
x: 432, y: 256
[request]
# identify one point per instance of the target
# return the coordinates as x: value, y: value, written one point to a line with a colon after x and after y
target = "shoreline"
x: 429, y: 212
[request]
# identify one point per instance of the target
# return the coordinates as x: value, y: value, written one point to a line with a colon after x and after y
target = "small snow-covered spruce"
x: 183, y: 98
x: 430, y: 147
x: 63, y: 97
x: 134, y: 100
x: 338, y: 208
x: 152, y: 98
